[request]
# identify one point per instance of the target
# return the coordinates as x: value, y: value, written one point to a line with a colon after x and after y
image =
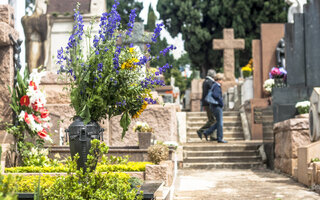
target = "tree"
x: 124, y: 9
x: 151, y: 24
x: 200, y: 21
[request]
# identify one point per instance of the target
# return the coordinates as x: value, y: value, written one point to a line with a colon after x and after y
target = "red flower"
x: 26, y: 118
x: 33, y: 84
x: 24, y: 101
x: 36, y: 119
x: 44, y: 113
x: 42, y: 134
x: 35, y: 106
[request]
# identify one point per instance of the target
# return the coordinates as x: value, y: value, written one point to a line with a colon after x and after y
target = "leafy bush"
x: 129, y: 167
x: 158, y: 153
x: 303, y: 107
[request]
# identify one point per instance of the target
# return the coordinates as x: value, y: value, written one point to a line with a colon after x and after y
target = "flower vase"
x: 144, y: 140
x: 80, y: 136
x: 279, y: 83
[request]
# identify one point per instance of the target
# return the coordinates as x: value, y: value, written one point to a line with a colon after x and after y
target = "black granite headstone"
x: 312, y: 42
x: 302, y: 62
x: 295, y: 55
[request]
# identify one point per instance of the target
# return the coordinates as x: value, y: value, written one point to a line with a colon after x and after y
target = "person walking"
x: 208, y: 82
x: 216, y: 109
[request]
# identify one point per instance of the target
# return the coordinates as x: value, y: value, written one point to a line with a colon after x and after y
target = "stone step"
x: 213, y: 146
x: 225, y: 135
x: 225, y: 113
x: 267, y: 118
x: 224, y: 159
x: 220, y: 153
x: 189, y: 140
x: 225, y: 129
x: 222, y: 165
x: 204, y: 118
x: 199, y: 124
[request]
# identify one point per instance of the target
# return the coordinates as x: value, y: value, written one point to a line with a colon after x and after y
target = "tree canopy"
x: 200, y: 21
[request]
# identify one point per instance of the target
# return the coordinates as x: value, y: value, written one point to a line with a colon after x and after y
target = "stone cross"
x: 228, y: 44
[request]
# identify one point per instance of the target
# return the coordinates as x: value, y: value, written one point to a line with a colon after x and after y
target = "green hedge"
x: 129, y: 167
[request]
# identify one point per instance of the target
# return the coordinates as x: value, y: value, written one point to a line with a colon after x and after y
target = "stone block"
x: 56, y: 94
x: 156, y: 172
x: 6, y: 79
x: 299, y: 139
x: 7, y: 15
x: 161, y: 118
x: 5, y: 30
x: 257, y: 61
x: 292, y: 124
x: 285, y: 165
x: 163, y: 172
x: 195, y: 105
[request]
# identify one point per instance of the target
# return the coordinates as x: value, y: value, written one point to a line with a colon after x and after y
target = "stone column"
x: 6, y: 66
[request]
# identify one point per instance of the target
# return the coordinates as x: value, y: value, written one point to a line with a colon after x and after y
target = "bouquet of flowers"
x: 303, y: 107
x: 278, y: 73
x: 268, y: 85
x: 142, y: 127
x: 28, y: 103
x: 110, y: 79
x: 247, y: 70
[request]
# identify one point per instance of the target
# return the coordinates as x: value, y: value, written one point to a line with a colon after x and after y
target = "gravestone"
x: 6, y: 67
x: 228, y: 44
x: 302, y: 57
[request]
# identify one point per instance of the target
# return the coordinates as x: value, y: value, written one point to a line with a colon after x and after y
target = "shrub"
x: 303, y: 107
x: 129, y: 167
x: 158, y: 153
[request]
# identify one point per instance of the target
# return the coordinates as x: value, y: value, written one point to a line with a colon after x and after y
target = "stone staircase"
x: 237, y: 153
x: 232, y: 128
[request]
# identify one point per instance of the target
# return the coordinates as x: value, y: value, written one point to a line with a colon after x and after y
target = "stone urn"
x: 144, y: 140
x: 80, y: 136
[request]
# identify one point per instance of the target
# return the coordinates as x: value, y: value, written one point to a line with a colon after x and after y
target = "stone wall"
x: 161, y: 118
x: 196, y: 95
x: 289, y: 136
x: 6, y: 67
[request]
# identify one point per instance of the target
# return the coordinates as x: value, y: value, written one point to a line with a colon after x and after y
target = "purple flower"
x: 156, y: 33
x: 132, y: 17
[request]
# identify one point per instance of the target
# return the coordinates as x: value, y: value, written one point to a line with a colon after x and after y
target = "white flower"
x: 36, y: 76
x: 303, y: 104
x: 268, y: 85
x: 21, y: 116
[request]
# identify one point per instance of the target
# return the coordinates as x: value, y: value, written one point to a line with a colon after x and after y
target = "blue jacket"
x: 217, y: 94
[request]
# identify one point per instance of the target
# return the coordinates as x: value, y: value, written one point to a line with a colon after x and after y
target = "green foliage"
x: 200, y: 21
x: 158, y: 153
x: 151, y: 24
x: 129, y: 167
x: 315, y: 160
x: 135, y: 182
x: 91, y: 184
x: 125, y: 8
x: 38, y: 157
x: 8, y: 187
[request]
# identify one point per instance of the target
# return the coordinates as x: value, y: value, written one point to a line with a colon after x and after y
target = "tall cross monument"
x: 228, y: 44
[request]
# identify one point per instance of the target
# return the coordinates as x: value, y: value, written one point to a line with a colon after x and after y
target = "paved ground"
x: 229, y: 184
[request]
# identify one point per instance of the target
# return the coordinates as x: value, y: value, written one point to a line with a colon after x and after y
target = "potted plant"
x: 279, y: 75
x: 247, y: 70
x: 267, y: 86
x: 144, y: 134
x: 108, y: 80
x: 303, y: 108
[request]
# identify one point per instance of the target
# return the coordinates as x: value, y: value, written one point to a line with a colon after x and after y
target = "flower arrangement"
x: 303, y: 107
x: 142, y: 127
x: 110, y: 79
x: 278, y: 73
x: 268, y: 85
x: 28, y: 103
x: 247, y: 70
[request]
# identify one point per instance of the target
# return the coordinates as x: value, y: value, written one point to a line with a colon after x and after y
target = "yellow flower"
x: 246, y: 68
x: 131, y: 50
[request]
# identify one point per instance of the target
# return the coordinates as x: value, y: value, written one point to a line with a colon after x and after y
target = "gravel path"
x: 229, y: 184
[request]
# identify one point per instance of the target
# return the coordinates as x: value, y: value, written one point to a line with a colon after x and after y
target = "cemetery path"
x: 238, y: 184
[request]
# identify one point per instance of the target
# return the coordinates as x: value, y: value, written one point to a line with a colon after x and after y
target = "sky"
x: 177, y: 41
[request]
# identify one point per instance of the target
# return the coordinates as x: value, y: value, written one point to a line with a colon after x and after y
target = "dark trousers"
x: 211, y: 119
x: 217, y: 112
